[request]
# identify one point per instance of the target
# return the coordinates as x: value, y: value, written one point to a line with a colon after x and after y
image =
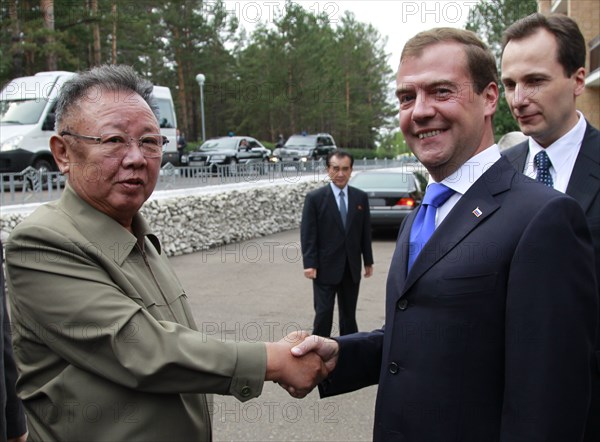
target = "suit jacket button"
x: 394, y: 368
x: 402, y: 304
x: 246, y: 391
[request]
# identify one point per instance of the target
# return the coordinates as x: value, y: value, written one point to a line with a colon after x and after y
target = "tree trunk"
x: 96, y: 54
x: 15, y: 32
x: 114, y: 33
x: 291, y: 100
x: 182, y: 93
x: 47, y: 7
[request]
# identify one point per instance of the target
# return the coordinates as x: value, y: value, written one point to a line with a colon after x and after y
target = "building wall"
x: 587, y: 15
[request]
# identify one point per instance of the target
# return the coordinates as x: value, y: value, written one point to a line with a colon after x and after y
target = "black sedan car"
x: 229, y: 151
x: 393, y: 194
x: 305, y: 148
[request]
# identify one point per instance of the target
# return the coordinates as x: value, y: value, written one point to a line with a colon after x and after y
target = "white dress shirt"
x: 463, y: 178
x: 336, y: 193
x: 562, y: 153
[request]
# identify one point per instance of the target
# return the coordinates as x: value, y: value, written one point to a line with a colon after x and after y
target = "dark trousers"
x: 592, y: 430
x: 324, y: 301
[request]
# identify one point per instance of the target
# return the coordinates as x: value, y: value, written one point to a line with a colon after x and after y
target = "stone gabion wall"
x: 198, y: 222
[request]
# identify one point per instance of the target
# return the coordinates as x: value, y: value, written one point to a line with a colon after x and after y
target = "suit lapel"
x: 352, y: 206
x: 332, y: 207
x: 461, y: 220
x: 517, y: 155
x: 584, y: 183
x: 397, y: 272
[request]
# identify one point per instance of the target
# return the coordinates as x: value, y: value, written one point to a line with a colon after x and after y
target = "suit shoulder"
x: 535, y: 194
x: 516, y: 151
x: 358, y: 191
x: 317, y: 194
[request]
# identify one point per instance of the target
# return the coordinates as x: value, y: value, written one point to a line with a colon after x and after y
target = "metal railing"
x: 33, y: 186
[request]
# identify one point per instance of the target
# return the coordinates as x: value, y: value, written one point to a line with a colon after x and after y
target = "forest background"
x: 297, y: 72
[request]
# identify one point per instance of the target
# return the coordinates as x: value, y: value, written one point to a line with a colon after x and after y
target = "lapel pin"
x: 477, y: 212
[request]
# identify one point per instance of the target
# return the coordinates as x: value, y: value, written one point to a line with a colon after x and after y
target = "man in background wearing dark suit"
x: 335, y: 233
x: 12, y: 414
x: 543, y: 70
x: 491, y: 305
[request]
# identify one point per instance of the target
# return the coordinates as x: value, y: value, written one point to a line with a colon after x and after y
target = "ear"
x: 60, y: 152
x: 579, y: 78
x: 490, y: 95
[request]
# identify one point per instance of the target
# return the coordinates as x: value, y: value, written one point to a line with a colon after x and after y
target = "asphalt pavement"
x: 256, y: 291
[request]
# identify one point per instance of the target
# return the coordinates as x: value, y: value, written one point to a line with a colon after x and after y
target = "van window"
x: 22, y: 111
x: 167, y: 118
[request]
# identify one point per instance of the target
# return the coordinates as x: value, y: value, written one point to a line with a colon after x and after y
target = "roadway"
x: 255, y: 291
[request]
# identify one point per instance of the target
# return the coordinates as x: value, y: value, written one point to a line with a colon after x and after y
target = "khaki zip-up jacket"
x: 104, y: 337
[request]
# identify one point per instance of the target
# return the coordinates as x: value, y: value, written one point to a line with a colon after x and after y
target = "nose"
x: 521, y: 95
x: 423, y: 108
x: 133, y: 154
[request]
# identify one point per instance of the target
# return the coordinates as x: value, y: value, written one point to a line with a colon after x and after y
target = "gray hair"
x: 106, y: 78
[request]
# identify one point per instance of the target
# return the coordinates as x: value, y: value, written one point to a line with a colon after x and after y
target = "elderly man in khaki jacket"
x: 105, y: 340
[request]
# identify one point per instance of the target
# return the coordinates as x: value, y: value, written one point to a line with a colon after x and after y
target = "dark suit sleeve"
x: 309, y: 232
x: 366, y: 247
x: 551, y: 320
x: 358, y: 366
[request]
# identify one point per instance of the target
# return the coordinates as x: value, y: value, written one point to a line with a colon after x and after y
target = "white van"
x: 27, y: 121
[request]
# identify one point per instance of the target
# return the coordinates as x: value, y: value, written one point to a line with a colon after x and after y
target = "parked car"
x: 229, y: 150
x: 393, y: 194
x: 305, y: 148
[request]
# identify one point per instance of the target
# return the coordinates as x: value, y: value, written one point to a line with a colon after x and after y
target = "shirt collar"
x: 562, y: 149
x: 336, y: 190
x: 104, y: 233
x: 465, y: 176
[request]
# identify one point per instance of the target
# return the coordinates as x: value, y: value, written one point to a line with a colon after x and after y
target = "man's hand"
x: 326, y: 348
x: 368, y: 271
x: 310, y: 273
x: 297, y: 374
x: 307, y: 345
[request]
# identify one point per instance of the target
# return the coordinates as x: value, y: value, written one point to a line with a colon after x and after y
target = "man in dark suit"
x: 12, y: 415
x: 489, y: 331
x: 543, y: 70
x: 335, y: 233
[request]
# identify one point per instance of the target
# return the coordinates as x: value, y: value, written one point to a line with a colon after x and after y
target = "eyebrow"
x: 433, y: 84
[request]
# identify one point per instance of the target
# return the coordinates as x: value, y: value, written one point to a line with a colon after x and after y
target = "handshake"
x: 299, y: 361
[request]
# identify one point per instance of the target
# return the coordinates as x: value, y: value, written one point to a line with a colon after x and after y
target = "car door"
x: 257, y: 150
x: 244, y: 151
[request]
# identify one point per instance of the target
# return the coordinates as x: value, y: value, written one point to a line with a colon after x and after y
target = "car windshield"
x: 388, y: 181
x: 301, y: 142
x: 220, y: 144
x: 22, y: 111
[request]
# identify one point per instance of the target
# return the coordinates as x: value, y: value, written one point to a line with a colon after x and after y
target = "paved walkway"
x: 255, y: 291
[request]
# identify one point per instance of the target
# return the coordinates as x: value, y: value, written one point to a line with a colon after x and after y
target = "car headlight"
x: 304, y: 159
x: 11, y: 144
x: 217, y: 157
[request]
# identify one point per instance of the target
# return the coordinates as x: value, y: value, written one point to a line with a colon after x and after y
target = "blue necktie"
x: 424, y: 224
x: 543, y: 163
x: 343, y: 210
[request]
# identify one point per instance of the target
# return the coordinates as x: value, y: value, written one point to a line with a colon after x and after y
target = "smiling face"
x: 443, y: 120
x: 540, y: 95
x: 116, y: 186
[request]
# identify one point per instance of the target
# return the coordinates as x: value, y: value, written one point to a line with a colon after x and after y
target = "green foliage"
x: 489, y: 19
x: 300, y: 72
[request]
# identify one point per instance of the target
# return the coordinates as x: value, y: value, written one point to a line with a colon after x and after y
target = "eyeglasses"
x: 115, y: 145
